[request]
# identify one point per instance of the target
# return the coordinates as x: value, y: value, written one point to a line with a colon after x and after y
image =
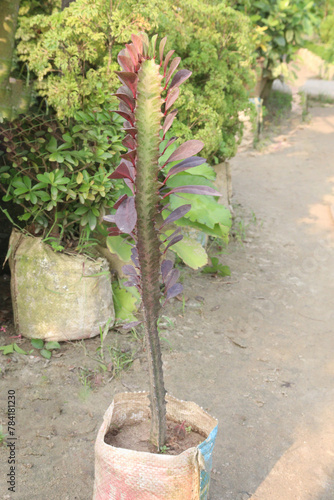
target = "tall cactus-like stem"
x: 148, y: 117
x: 141, y: 104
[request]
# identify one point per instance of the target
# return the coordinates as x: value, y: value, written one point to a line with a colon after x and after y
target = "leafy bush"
x: 72, y: 52
x: 58, y: 174
x: 215, y: 43
x: 327, y: 37
x: 286, y: 24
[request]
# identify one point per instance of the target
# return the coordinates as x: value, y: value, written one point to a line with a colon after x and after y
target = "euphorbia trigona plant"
x: 146, y: 97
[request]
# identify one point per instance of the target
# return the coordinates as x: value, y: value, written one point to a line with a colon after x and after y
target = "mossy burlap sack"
x: 132, y: 475
x: 57, y: 296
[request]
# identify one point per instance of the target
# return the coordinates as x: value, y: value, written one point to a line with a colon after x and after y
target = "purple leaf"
x: 175, y: 215
x: 179, y: 78
x: 194, y: 190
x: 174, y: 64
x: 130, y: 80
x: 138, y: 43
x: 133, y: 54
x: 121, y: 172
x: 168, y: 56
x: 172, y: 279
x: 126, y: 215
x: 168, y: 121
x: 162, y: 48
x: 131, y: 282
x: 120, y: 200
x: 109, y: 218
x: 130, y: 130
x: 129, y: 142
x: 166, y: 267
x: 129, y: 270
x: 174, y: 240
x: 130, y: 185
x: 187, y: 149
x: 177, y: 231
x: 125, y: 63
x: 129, y: 101
x: 128, y: 116
x: 174, y: 291
x: 193, y: 161
x: 134, y: 256
x: 172, y: 96
x: 131, y: 156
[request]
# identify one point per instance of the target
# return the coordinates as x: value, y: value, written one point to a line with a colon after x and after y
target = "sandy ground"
x: 255, y: 349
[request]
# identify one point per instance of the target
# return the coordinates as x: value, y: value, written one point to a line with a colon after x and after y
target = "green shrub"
x: 215, y: 42
x: 286, y: 24
x: 58, y: 174
x: 73, y: 54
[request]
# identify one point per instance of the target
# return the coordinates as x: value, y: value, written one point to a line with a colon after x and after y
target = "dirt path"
x: 255, y: 349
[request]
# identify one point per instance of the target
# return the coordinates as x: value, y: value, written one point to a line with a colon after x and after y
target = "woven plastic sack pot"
x: 135, y: 475
x: 57, y: 296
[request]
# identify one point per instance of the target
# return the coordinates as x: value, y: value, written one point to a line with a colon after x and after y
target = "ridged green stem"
x: 148, y: 117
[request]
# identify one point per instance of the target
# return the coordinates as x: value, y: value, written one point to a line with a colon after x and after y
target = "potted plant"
x: 146, y: 97
x: 58, y: 180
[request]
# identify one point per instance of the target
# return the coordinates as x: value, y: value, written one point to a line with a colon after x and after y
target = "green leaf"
x: 92, y: 220
x: 280, y: 40
x: 119, y: 246
x: 33, y: 198
x: 43, y: 195
x: 54, y: 193
x: 67, y: 137
x: 44, y: 178
x: 185, y: 179
x: 191, y: 252
x: 204, y: 209
x: 46, y: 354
x: 37, y: 343
x: 216, y: 268
x: 81, y: 210
x: 18, y: 349
x: 76, y: 128
x: 52, y: 345
x: 52, y: 145
x: 25, y: 216
x: 56, y: 157
x: 124, y: 303
x: 27, y: 181
x: 20, y: 191
x: 7, y: 349
x: 289, y: 35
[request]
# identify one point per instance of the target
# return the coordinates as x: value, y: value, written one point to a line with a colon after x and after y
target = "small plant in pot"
x: 148, y: 92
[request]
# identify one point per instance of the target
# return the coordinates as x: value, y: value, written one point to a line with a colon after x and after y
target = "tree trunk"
x: 65, y: 3
x: 8, y: 21
x: 266, y: 90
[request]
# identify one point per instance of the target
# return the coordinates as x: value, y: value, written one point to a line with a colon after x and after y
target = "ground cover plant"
x: 147, y: 96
